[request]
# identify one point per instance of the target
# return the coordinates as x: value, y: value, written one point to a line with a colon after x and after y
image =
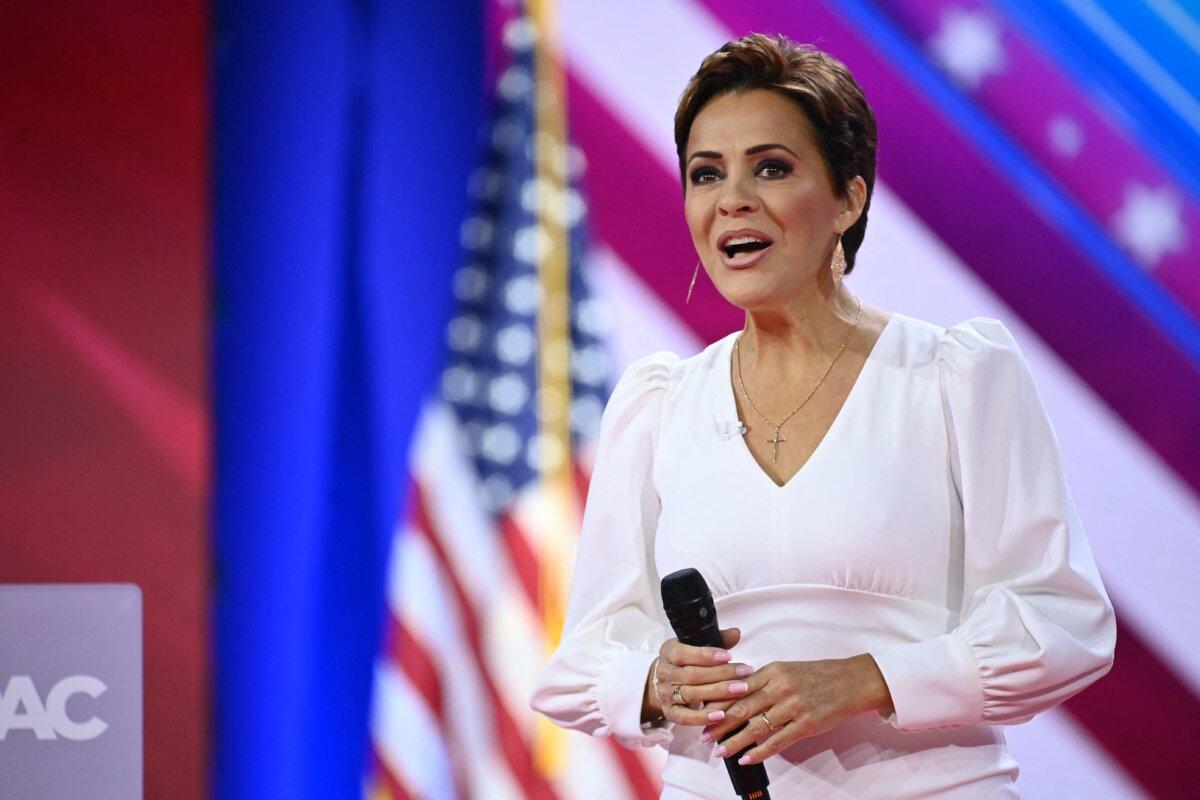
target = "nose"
x: 738, y: 197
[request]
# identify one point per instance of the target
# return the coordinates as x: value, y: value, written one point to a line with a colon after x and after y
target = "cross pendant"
x: 776, y: 442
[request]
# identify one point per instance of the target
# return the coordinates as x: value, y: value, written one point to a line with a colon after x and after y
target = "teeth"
x: 744, y: 240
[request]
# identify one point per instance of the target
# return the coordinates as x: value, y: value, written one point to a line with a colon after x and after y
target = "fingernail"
x: 706, y: 737
x: 737, y: 687
x: 722, y: 656
x: 716, y: 716
x: 742, y: 670
x: 720, y: 751
x: 744, y: 760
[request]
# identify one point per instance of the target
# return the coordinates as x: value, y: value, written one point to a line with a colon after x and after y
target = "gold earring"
x: 838, y: 265
x: 692, y: 285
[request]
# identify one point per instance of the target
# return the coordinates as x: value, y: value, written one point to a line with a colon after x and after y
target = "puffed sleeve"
x: 1036, y: 625
x: 594, y: 681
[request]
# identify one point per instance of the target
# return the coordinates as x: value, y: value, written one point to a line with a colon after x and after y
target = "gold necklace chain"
x: 775, y: 440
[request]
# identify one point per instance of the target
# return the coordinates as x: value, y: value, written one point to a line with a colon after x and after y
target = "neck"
x: 805, y: 333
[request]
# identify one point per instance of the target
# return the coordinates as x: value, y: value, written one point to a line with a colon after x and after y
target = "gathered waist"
x: 863, y: 757
x: 810, y: 621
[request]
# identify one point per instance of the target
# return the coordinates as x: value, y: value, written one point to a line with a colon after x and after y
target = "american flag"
x: 1081, y: 152
x: 480, y: 566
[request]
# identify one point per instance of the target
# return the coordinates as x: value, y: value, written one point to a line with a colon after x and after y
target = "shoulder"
x: 664, y: 370
x: 980, y: 347
x: 973, y: 342
x: 980, y: 363
x: 646, y: 375
x: 651, y: 382
x: 638, y: 395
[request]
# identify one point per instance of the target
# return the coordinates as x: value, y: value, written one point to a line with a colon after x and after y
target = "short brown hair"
x: 842, y: 122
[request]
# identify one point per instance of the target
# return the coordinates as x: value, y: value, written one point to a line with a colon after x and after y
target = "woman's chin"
x: 749, y: 294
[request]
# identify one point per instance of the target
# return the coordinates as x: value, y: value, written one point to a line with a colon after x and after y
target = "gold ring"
x: 677, y: 695
x: 767, y: 720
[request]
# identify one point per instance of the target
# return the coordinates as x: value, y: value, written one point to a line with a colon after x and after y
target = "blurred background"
x: 308, y: 313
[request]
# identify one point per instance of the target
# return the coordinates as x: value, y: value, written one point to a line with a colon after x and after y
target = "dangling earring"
x: 838, y: 265
x: 692, y: 285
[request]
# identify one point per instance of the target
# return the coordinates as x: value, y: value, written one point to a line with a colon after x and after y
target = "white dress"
x: 932, y: 528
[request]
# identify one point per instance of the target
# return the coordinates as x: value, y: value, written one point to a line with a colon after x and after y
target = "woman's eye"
x: 772, y: 169
x: 780, y: 168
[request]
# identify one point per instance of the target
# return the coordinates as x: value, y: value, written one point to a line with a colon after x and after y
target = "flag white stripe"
x: 404, y: 734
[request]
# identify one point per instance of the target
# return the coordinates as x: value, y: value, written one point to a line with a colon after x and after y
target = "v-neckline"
x: 730, y: 400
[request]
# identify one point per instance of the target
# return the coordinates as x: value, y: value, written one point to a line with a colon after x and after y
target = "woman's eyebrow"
x: 758, y: 148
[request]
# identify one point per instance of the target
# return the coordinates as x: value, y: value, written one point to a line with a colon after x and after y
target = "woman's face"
x: 752, y: 164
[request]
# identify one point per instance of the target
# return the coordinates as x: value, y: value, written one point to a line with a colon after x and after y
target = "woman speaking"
x: 876, y: 502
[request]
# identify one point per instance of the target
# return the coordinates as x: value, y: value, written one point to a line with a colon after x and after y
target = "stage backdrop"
x: 104, y: 448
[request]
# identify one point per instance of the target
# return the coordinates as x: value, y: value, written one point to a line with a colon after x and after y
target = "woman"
x: 888, y: 533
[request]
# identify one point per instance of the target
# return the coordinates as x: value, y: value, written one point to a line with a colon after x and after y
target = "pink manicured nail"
x: 720, y: 751
x: 742, y: 670
x: 737, y: 687
x: 716, y: 716
x: 744, y: 760
x: 722, y: 656
x: 705, y: 737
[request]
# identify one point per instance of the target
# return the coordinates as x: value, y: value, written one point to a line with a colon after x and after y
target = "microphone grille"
x: 683, y: 586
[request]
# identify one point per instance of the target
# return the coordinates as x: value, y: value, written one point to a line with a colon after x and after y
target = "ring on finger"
x: 767, y: 720
x: 677, y: 695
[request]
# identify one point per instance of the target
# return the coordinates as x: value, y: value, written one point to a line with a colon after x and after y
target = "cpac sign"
x: 49, y: 720
x: 70, y: 691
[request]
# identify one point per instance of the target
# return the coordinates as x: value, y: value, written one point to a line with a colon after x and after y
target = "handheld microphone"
x: 689, y: 607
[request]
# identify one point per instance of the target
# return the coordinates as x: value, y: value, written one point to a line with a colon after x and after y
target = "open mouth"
x: 732, y: 251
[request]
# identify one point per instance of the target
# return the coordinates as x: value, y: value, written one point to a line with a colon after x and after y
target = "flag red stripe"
x: 582, y: 481
x: 523, y: 560
x: 644, y: 786
x: 388, y: 781
x: 413, y: 659
x: 507, y: 733
x: 410, y: 655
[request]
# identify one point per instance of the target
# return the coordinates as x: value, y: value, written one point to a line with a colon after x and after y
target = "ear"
x: 853, y: 202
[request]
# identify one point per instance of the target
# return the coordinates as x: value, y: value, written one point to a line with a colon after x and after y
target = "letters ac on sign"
x: 21, y: 708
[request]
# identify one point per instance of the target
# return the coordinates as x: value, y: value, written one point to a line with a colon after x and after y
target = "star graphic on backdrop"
x: 1066, y: 137
x: 967, y: 45
x: 1150, y: 223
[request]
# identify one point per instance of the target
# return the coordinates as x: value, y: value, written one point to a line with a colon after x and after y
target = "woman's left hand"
x: 801, y: 699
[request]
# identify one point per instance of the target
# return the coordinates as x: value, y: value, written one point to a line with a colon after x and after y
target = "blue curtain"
x: 345, y: 133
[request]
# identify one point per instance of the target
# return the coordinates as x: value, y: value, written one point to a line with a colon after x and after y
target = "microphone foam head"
x: 683, y: 586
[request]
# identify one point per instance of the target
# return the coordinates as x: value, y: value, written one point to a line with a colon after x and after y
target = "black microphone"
x: 689, y: 607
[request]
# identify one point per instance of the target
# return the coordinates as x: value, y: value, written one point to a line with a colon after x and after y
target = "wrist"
x: 879, y: 695
x: 651, y: 707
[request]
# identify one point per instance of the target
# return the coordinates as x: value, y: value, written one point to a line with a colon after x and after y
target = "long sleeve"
x: 1036, y: 625
x: 594, y: 681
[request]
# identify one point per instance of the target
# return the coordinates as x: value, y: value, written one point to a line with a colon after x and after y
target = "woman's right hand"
x: 704, y: 674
